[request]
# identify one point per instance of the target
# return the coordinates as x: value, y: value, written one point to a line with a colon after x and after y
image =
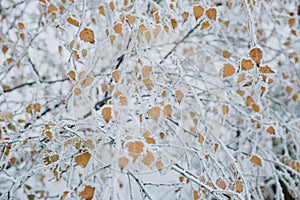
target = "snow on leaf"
x: 154, y: 113
x: 211, y: 13
x: 228, y: 70
x: 146, y: 71
x: 123, y: 162
x: 5, y: 116
x: 106, y: 114
x: 198, y: 11
x: 185, y: 16
x: 148, y: 158
x: 87, y: 193
x: 72, y: 21
x: 256, y: 160
x: 82, y: 159
x: 247, y: 64
x: 135, y: 148
x: 255, y: 107
x: 87, y: 35
x: 148, y: 83
x: 159, y: 165
x: 256, y: 55
x: 221, y: 183
x: 86, y: 82
x: 77, y: 91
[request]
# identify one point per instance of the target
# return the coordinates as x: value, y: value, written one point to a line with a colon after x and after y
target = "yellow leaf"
x: 174, y: 23
x: 135, y: 148
x: 154, y: 113
x: 123, y: 162
x: 179, y: 95
x: 168, y: 110
x: 147, y: 35
x: 71, y: 74
x: 228, y: 70
x: 247, y: 64
x: 148, y: 83
x: 73, y: 21
x: 256, y: 55
x: 87, y: 35
x: 87, y: 193
x: 37, y: 107
x: 211, y: 13
x: 226, y: 54
x: 221, y: 183
x: 196, y: 195
x: 225, y: 109
x: 6, y: 116
x: 116, y: 75
x: 198, y: 11
x: 83, y: 159
x: 255, y: 160
x: 148, y: 158
x: 77, y: 91
x: 106, y: 114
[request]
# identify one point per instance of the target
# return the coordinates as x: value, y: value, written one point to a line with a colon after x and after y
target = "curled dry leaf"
x: 123, y: 162
x: 82, y: 159
x: 87, y: 35
x: 87, y: 193
x: 256, y: 160
x: 256, y: 55
x: 135, y: 148
x: 154, y: 113
x: 106, y: 114
x: 228, y: 70
x: 198, y: 11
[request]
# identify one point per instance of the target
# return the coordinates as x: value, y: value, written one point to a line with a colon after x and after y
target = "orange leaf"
x: 21, y: 25
x: 87, y: 35
x: 87, y: 81
x: 118, y: 28
x: 198, y: 11
x: 266, y: 70
x: 77, y: 91
x: 226, y: 54
x: 123, y: 162
x: 255, y: 107
x: 228, y: 70
x: 135, y: 148
x: 255, y: 160
x: 211, y: 13
x: 196, y: 195
x: 179, y: 95
x: 154, y: 113
x: 256, y: 55
x: 239, y: 186
x: 185, y: 16
x: 148, y: 158
x: 225, y: 109
x: 147, y: 35
x: 247, y: 64
x: 106, y: 114
x: 73, y: 21
x: 159, y: 165
x: 112, y: 5
x: 87, y: 193
x: 116, y: 75
x: 101, y: 10
x: 174, y: 23
x: 249, y: 100
x: 83, y: 159
x: 271, y: 130
x: 205, y: 25
x: 130, y: 18
x: 168, y: 110
x: 221, y: 183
